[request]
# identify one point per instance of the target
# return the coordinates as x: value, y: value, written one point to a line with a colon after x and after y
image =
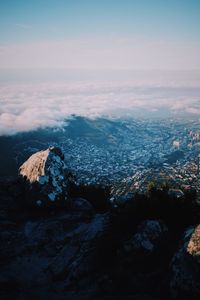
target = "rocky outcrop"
x: 47, y: 181
x: 185, y: 280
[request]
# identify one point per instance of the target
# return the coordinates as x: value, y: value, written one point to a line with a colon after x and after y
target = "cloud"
x: 30, y: 106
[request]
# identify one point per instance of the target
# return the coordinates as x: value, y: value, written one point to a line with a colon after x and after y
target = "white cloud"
x: 29, y: 106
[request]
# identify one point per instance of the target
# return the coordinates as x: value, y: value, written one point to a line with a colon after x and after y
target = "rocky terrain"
x: 61, y: 241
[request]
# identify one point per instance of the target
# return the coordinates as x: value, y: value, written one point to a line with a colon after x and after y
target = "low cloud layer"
x: 30, y: 106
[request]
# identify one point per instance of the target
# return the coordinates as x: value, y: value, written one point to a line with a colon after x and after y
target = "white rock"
x: 45, y: 171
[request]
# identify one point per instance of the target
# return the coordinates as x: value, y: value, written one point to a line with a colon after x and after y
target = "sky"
x: 106, y: 34
x: 94, y: 58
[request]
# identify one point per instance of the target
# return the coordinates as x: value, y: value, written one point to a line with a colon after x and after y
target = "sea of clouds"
x: 27, y: 106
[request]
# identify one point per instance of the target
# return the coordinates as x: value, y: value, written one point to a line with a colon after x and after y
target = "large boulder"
x: 46, y: 177
x: 185, y: 281
x: 147, y: 240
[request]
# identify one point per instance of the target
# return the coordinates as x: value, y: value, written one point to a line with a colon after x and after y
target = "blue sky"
x: 22, y: 20
x: 168, y: 24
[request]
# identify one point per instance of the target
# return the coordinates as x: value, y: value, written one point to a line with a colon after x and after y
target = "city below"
x: 125, y: 154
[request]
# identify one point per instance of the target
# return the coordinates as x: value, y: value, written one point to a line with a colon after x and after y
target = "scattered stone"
x: 176, y: 193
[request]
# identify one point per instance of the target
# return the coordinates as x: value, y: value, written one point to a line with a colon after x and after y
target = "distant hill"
x: 17, y: 148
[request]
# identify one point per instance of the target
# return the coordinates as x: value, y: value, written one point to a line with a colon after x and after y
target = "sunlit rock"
x: 46, y: 177
x: 185, y: 281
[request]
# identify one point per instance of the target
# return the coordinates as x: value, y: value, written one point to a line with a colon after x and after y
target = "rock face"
x: 42, y: 258
x: 46, y: 177
x: 185, y: 280
x: 80, y: 256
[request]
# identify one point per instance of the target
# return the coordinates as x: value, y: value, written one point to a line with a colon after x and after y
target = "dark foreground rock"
x: 42, y: 254
x: 64, y: 246
x: 69, y: 254
x: 79, y: 254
